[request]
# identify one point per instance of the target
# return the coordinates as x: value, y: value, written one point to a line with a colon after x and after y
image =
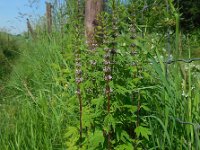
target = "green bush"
x: 9, y: 51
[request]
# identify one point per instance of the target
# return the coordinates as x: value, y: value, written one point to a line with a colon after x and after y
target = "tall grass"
x: 34, y: 111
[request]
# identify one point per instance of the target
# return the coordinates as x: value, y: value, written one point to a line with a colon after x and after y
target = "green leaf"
x: 146, y: 108
x: 122, y: 90
x: 98, y: 102
x: 72, y: 136
x: 143, y: 131
x: 130, y: 108
x: 108, y: 122
x: 125, y: 137
x: 87, y: 117
x: 96, y: 140
x: 125, y: 146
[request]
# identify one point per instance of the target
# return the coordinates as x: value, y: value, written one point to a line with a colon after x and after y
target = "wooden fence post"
x: 30, y: 29
x: 49, y: 17
x: 92, y: 9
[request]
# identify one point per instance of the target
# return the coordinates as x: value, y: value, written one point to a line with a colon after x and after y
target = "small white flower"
x: 93, y: 62
x: 108, y: 77
x: 108, y: 90
x: 184, y: 94
x: 107, y: 69
x: 170, y: 56
x: 152, y: 46
x: 106, y: 62
x: 78, y: 72
x: 78, y: 91
x: 161, y: 57
x: 164, y: 50
x: 107, y: 56
x: 78, y: 64
x: 106, y: 49
x: 79, y: 80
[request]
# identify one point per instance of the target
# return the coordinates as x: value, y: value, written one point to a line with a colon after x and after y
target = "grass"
x: 34, y: 107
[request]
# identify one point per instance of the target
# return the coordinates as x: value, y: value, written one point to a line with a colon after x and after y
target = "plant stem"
x: 190, y: 100
x: 81, y: 113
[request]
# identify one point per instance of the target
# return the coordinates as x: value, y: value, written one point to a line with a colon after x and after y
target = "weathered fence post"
x: 8, y: 37
x: 49, y: 16
x: 30, y: 29
x: 92, y: 9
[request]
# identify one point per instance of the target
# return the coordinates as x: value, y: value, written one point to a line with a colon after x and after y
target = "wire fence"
x: 182, y: 60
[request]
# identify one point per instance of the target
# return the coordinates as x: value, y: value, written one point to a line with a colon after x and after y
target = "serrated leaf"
x: 125, y: 137
x: 108, y: 122
x: 126, y: 146
x: 130, y: 108
x: 121, y: 90
x: 146, y: 108
x: 143, y: 131
x: 87, y: 117
x: 96, y: 139
x: 98, y: 102
x: 72, y: 136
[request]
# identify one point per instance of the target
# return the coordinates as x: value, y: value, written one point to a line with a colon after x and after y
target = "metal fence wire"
x: 182, y: 60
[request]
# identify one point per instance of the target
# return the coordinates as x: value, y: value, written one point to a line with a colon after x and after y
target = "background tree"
x: 190, y: 13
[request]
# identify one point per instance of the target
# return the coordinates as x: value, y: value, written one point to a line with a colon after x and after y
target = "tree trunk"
x: 92, y: 9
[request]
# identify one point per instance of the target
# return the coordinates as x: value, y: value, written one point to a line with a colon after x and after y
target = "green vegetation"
x: 9, y: 52
x: 124, y: 94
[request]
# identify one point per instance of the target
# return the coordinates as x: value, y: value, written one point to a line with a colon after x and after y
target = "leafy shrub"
x: 9, y: 51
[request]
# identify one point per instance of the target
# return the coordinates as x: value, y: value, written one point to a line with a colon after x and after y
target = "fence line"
x: 182, y: 60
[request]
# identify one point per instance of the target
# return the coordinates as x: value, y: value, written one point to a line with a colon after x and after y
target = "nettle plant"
x: 118, y: 81
x: 111, y: 79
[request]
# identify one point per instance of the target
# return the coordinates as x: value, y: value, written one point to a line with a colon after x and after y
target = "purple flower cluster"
x: 79, y: 80
x: 133, y: 45
x: 107, y: 69
x: 78, y: 72
x: 78, y: 91
x: 108, y: 90
x: 93, y: 50
x: 93, y: 62
x: 108, y: 77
